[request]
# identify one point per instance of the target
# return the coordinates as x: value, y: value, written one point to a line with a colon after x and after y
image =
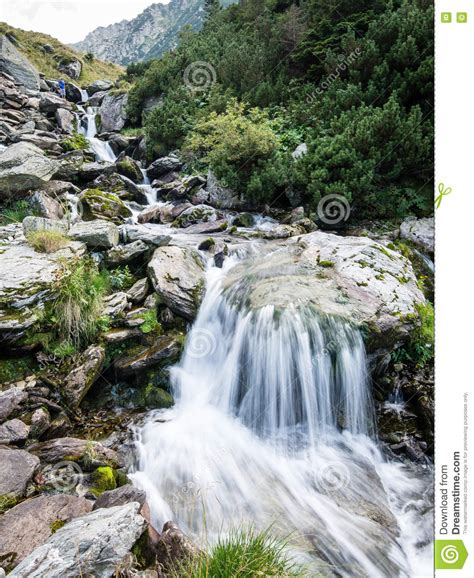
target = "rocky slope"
x: 65, y: 414
x: 149, y: 35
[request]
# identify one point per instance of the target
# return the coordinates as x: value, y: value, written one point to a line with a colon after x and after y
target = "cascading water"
x: 272, y: 426
x: 102, y: 149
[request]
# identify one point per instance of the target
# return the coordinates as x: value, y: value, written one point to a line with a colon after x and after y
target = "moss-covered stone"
x: 99, y: 204
x: 128, y: 168
x: 103, y: 479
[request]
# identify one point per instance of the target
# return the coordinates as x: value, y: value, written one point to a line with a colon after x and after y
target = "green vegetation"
x: 150, y: 323
x: 76, y: 142
x: 14, y: 212
x: 47, y: 241
x: 56, y: 525
x: 352, y: 81
x: 32, y: 44
x: 103, y: 479
x: 419, y: 350
x: 245, y: 553
x: 16, y: 369
x: 121, y: 278
x: 74, y: 312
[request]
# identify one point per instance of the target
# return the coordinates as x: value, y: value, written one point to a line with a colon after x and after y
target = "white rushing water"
x: 273, y: 426
x: 102, y: 149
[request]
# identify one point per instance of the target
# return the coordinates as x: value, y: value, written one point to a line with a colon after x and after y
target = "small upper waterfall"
x: 102, y: 149
x: 272, y: 426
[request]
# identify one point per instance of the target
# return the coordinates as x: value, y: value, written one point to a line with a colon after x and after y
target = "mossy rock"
x: 243, y: 220
x: 103, y: 480
x: 99, y: 204
x: 129, y: 168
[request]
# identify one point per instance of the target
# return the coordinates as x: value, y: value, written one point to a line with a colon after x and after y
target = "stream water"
x: 274, y: 426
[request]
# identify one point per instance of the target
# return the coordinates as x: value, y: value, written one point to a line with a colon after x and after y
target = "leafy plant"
x: 14, y: 212
x: 76, y: 142
x: 420, y: 348
x: 121, y: 278
x: 47, y: 241
x: 150, y: 322
x: 245, y: 553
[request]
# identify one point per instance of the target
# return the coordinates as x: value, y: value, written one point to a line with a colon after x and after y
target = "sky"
x: 69, y: 20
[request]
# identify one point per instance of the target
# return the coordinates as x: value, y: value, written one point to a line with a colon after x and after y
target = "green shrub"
x: 76, y: 142
x: 121, y: 278
x: 14, y: 212
x: 245, y: 553
x: 74, y: 311
x: 419, y: 350
x: 150, y: 323
x: 47, y: 241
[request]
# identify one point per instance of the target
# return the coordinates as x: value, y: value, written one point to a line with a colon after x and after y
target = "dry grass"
x: 47, y: 241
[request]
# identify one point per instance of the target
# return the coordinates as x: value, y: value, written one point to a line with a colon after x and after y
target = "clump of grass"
x: 47, y: 241
x: 14, y: 212
x: 245, y: 553
x: 150, y: 323
x: 76, y: 142
x: 75, y: 311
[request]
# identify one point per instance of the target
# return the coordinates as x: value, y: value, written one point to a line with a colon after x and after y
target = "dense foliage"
x: 353, y: 80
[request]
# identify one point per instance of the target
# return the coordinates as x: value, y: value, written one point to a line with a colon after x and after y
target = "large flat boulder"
x: 96, y: 234
x: 177, y: 275
x: 95, y: 543
x: 16, y: 65
x: 31, y: 523
x: 350, y: 277
x: 17, y: 470
x: 24, y: 167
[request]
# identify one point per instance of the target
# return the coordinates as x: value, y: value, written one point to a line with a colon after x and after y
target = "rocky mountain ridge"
x: 149, y: 35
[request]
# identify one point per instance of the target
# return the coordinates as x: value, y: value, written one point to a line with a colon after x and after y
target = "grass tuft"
x: 47, y: 241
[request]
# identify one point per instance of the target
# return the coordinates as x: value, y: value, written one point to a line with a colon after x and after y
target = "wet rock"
x: 138, y: 292
x: 222, y: 197
x: 163, y: 166
x: 10, y: 401
x: 56, y: 189
x: 88, y: 454
x: 113, y: 112
x: 419, y: 231
x: 96, y: 234
x: 80, y: 380
x: 45, y: 206
x: 13, y: 432
x: 164, y: 348
x: 151, y: 215
x: 101, y: 205
x: 177, y: 275
x: 65, y: 120
x: 283, y: 232
x: 17, y: 66
x: 245, y: 220
x: 123, y: 254
x: 143, y: 233
x: 120, y: 497
x: 97, y: 98
x: 17, y: 470
x: 115, y: 305
x: 22, y: 528
x: 96, y: 543
x: 24, y: 167
x: 207, y: 228
x: 196, y: 214
x: 129, y: 168
x: 33, y: 224
x: 73, y: 92
x: 121, y: 335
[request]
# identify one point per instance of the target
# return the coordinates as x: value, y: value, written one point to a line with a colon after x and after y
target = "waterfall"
x: 102, y: 149
x: 273, y: 425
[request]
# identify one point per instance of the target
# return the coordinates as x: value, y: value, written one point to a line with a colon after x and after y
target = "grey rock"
x: 81, y: 378
x: 102, y: 205
x: 419, y: 231
x: 33, y: 224
x: 123, y: 254
x: 13, y: 431
x: 73, y: 92
x: 149, y: 235
x: 300, y: 151
x: 120, y: 497
x: 207, y: 228
x: 177, y: 275
x: 163, y: 166
x: 115, y: 304
x: 40, y: 422
x: 16, y: 65
x: 51, y: 102
x: 10, y: 401
x: 223, y: 197
x: 97, y: 98
x: 138, y: 292
x: 65, y: 120
x: 89, y: 454
x: 96, y: 543
x: 121, y: 335
x: 45, y: 206
x: 174, y: 547
x: 17, y: 470
x: 28, y: 525
x: 96, y: 234
x: 72, y: 69
x: 99, y: 85
x: 23, y: 167
x: 113, y: 112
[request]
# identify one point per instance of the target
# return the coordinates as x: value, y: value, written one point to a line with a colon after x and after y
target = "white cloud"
x: 69, y: 20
